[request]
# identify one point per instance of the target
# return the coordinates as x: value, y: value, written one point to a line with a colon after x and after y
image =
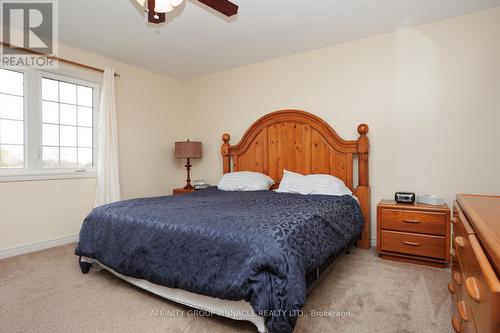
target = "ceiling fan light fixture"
x: 157, y: 9
x: 163, y: 6
x: 176, y: 3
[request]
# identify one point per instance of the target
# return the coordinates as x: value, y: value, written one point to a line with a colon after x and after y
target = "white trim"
x: 96, y: 87
x: 48, y: 176
x: 37, y: 246
x: 374, y: 242
x: 32, y: 121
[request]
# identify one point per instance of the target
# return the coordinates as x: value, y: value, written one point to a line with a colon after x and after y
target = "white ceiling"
x: 196, y: 41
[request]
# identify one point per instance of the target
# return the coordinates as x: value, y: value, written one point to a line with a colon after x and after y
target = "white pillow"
x: 245, y: 181
x: 312, y: 184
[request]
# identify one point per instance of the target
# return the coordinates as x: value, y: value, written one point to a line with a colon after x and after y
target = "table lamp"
x: 188, y: 149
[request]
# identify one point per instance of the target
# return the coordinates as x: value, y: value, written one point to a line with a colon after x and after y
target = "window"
x: 11, y: 119
x: 46, y: 125
x: 66, y: 124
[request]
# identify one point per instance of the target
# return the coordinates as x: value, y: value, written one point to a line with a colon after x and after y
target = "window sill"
x: 47, y: 176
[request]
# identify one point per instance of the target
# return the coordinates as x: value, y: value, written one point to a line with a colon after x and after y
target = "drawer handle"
x: 457, y: 278
x: 454, y: 220
x: 462, y: 311
x: 472, y: 289
x: 412, y: 221
x: 455, y: 322
x: 451, y: 288
x: 460, y: 241
x: 411, y: 243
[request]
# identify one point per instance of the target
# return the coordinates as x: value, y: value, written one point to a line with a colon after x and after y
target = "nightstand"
x: 178, y: 191
x: 415, y: 233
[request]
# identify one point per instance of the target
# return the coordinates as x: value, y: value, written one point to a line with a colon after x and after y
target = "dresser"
x: 474, y: 285
x: 415, y: 233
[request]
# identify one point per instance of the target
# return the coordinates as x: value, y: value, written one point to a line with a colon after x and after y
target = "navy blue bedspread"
x: 253, y: 246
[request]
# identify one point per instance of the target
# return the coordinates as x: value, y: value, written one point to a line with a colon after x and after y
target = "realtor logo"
x: 30, y: 28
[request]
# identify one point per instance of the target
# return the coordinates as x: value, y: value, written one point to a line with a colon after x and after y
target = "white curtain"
x: 108, y: 180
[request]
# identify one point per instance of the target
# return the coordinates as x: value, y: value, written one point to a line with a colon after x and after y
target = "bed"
x: 244, y: 255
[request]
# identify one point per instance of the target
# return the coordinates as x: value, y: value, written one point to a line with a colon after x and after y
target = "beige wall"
x: 149, y: 108
x: 431, y: 96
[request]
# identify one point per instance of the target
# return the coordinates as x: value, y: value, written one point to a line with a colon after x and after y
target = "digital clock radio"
x: 404, y: 197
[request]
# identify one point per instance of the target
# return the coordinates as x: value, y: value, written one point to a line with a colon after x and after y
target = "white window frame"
x: 33, y: 169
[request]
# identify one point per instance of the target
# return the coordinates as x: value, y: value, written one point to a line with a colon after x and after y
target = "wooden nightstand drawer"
x: 432, y: 223
x: 413, y: 244
x: 415, y: 233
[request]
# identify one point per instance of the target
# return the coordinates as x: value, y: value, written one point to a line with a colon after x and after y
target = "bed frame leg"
x: 84, y: 266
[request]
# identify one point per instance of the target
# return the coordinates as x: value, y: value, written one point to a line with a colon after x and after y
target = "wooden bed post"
x: 226, y: 158
x: 363, y: 189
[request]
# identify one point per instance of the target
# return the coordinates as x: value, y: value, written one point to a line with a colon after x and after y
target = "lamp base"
x: 188, y: 180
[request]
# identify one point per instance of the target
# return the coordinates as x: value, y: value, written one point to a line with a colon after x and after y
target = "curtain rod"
x: 66, y: 61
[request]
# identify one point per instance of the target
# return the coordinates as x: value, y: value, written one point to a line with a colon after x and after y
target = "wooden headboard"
x: 302, y: 142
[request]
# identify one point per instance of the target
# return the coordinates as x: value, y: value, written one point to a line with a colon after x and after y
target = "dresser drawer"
x: 456, y: 322
x: 460, y: 223
x: 457, y: 277
x: 481, y: 289
x: 460, y: 240
x: 413, y: 244
x: 463, y: 321
x: 433, y: 223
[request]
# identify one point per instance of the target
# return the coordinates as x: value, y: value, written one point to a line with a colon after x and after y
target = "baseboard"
x: 37, y: 246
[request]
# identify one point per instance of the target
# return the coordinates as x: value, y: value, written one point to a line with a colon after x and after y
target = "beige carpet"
x: 45, y: 292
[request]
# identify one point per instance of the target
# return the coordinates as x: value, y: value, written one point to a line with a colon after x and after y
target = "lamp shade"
x: 188, y: 149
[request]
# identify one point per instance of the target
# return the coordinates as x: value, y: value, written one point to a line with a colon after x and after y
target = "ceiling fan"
x: 157, y: 9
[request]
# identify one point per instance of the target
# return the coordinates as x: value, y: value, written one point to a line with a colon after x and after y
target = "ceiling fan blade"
x: 222, y: 6
x: 154, y: 17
